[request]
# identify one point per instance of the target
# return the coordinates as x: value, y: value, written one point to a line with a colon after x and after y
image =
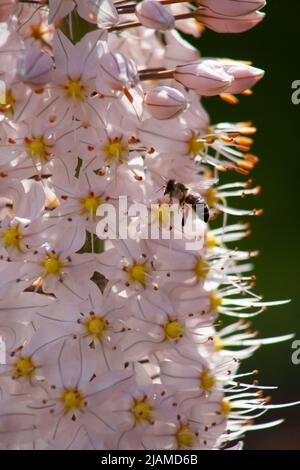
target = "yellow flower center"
x: 90, y: 204
x: 72, y: 399
x: 162, y: 214
x: 211, y: 241
x: 215, y: 302
x: 201, y: 268
x: 74, y: 89
x: 24, y: 367
x: 53, y: 265
x: 185, y: 436
x: 12, y: 237
x: 211, y: 197
x: 37, y: 147
x: 195, y: 145
x: 138, y: 273
x: 218, y: 343
x: 225, y: 407
x: 207, y: 380
x: 7, y: 102
x: 173, y: 329
x: 38, y: 31
x: 115, y: 149
x: 141, y: 410
x: 95, y: 326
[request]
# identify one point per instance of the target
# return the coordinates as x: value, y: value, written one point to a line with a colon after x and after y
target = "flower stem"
x: 136, y: 24
x: 154, y: 74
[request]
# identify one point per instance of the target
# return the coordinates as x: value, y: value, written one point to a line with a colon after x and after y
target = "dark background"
x: 274, y: 45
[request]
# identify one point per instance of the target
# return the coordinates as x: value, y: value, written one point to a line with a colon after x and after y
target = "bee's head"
x: 169, y: 187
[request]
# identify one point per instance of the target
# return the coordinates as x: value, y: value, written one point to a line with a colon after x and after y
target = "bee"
x: 184, y: 195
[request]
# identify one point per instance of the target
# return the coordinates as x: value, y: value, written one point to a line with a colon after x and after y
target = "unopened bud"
x: 233, y: 8
x: 245, y: 76
x: 164, y: 102
x: 227, y: 24
x: 153, y: 15
x: 206, y: 78
x: 35, y: 66
x: 117, y: 71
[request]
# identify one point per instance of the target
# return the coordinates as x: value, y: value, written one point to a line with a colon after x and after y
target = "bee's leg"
x: 206, y: 213
x: 183, y: 220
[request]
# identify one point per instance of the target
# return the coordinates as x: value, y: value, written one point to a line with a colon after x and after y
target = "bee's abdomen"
x: 206, y: 213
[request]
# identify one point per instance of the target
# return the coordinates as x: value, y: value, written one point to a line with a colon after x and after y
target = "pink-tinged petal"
x: 23, y: 306
x: 59, y: 9
x: 206, y: 78
x: 104, y: 385
x: 239, y: 24
x: 245, y: 76
x: 152, y: 14
x: 87, y: 54
x: 30, y: 202
x: 183, y: 376
x: 102, y: 12
x: 178, y: 50
x: 233, y: 7
x: 164, y: 102
x: 35, y: 66
x: 73, y: 239
x: 62, y: 48
x: 14, y: 333
x: 7, y: 8
x: 17, y: 423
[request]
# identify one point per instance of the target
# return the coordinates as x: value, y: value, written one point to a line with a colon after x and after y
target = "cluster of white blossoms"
x: 122, y: 343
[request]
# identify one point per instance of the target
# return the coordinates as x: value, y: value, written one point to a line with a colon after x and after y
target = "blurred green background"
x: 273, y: 46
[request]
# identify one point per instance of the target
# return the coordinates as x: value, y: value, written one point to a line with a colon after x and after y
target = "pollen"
x: 162, y: 215
x: 72, y: 399
x: 24, y: 367
x: 74, y: 89
x: 7, y: 102
x: 207, y: 380
x: 211, y: 197
x: 141, y: 410
x: 211, y: 241
x: 201, y: 268
x: 173, y: 329
x: 95, y: 326
x: 215, y: 302
x: 115, y: 149
x: 11, y: 237
x: 37, y: 147
x: 37, y: 31
x: 225, y: 407
x: 90, y: 204
x: 138, y: 272
x: 218, y: 344
x: 195, y: 145
x: 53, y: 265
x: 185, y: 436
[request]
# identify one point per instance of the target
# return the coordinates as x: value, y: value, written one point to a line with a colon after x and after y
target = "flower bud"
x: 164, y: 102
x: 35, y: 66
x: 244, y: 75
x: 233, y: 8
x: 152, y: 14
x: 117, y: 71
x: 234, y: 24
x: 206, y: 78
x: 7, y: 8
